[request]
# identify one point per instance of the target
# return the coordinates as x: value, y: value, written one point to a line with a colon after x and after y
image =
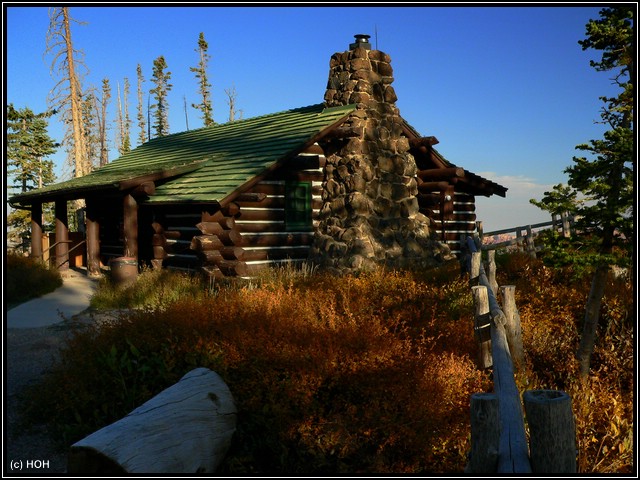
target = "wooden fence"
x: 498, y: 428
x: 525, y: 234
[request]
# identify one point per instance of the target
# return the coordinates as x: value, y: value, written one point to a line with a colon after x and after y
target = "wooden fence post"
x: 512, y: 326
x: 482, y: 325
x: 480, y: 230
x: 491, y: 270
x: 519, y: 239
x: 531, y: 246
x: 485, y: 433
x: 552, y: 431
x: 474, y: 270
x: 566, y: 229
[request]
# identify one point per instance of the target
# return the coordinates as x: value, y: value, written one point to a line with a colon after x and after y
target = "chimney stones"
x: 370, y: 214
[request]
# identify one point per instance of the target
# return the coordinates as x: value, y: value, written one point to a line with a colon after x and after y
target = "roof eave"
x: 22, y: 201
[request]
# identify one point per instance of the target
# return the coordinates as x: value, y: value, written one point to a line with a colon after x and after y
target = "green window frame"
x: 297, y: 210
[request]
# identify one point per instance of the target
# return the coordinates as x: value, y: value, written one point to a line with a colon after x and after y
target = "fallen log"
x: 186, y: 428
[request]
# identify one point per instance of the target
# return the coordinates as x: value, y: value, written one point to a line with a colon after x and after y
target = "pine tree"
x: 204, y: 87
x: 162, y: 87
x: 28, y: 145
x: 27, y: 148
x: 142, y: 118
x: 559, y: 200
x: 66, y: 96
x: 126, y: 129
x: 607, y: 178
x: 90, y: 118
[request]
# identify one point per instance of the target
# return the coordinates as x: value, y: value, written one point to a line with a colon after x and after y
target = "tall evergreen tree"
x: 27, y: 148
x: 66, y: 96
x: 142, y: 118
x: 559, y: 200
x: 126, y: 129
x: 607, y: 177
x: 204, y: 87
x: 162, y: 87
x: 90, y: 118
x: 28, y: 145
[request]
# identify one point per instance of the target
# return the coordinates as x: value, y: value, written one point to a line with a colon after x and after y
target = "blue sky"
x: 508, y: 91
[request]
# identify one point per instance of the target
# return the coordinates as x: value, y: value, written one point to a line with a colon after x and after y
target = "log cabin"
x: 345, y: 184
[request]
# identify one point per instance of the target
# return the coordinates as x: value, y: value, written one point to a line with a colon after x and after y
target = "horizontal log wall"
x: 462, y: 222
x: 245, y: 236
x: 261, y: 221
x: 178, y: 229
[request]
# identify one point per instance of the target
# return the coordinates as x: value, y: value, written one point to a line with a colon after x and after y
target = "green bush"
x: 26, y: 278
x: 153, y: 288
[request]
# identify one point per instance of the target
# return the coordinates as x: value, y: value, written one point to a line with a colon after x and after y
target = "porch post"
x: 93, y: 240
x: 130, y: 226
x: 62, y: 235
x: 36, y: 231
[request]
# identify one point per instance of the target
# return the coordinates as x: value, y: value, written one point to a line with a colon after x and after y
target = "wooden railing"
x: 525, y: 234
x: 498, y: 433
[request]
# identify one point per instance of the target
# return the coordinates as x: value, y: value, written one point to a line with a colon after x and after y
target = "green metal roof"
x: 206, y: 164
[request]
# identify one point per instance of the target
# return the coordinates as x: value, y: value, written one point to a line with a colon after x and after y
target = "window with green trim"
x: 297, y: 210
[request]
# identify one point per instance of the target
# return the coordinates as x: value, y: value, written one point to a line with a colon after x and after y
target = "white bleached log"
x: 186, y: 428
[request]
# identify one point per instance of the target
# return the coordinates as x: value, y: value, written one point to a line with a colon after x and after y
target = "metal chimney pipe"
x: 362, y: 41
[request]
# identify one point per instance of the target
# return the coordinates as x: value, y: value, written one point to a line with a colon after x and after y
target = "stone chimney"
x: 369, y: 215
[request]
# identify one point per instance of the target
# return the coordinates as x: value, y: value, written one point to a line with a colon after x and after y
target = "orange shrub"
x: 551, y: 304
x: 360, y: 374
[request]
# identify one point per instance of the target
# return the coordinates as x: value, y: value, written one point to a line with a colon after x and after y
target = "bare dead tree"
x: 231, y: 101
x: 66, y: 95
x: 106, y: 96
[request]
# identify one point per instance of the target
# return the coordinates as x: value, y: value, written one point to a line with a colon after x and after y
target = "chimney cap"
x: 362, y: 41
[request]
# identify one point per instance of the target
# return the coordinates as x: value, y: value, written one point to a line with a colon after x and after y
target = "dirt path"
x: 29, y: 352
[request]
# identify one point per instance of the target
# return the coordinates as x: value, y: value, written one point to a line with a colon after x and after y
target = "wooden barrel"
x: 124, y: 270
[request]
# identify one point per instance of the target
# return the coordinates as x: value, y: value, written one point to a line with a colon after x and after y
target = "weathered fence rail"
x: 524, y: 239
x: 498, y: 431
